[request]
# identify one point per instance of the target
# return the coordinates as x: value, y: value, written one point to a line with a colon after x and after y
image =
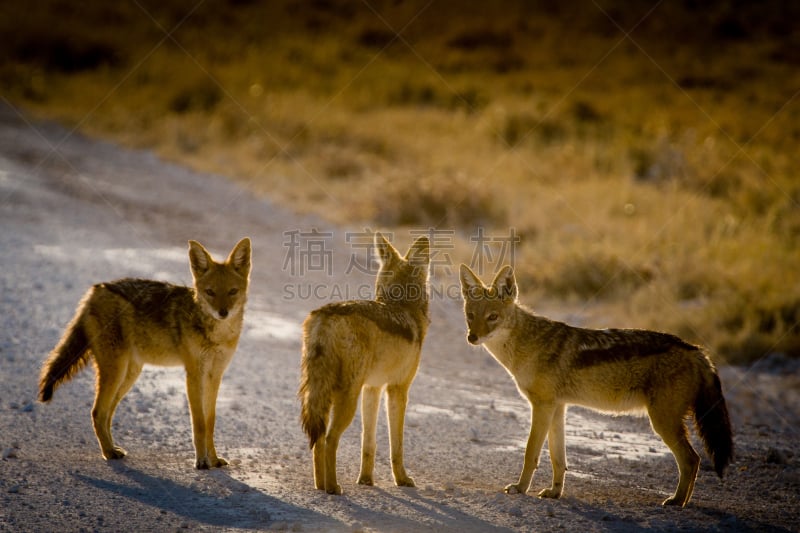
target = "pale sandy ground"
x: 75, y: 211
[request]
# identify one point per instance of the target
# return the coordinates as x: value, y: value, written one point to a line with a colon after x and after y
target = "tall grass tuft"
x: 444, y: 202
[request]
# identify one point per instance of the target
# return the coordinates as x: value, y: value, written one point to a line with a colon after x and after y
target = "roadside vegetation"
x: 647, y: 159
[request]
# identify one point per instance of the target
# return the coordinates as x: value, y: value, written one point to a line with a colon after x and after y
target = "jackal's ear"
x: 386, y: 252
x: 419, y: 254
x: 505, y: 283
x: 239, y: 257
x: 469, y: 281
x: 199, y: 259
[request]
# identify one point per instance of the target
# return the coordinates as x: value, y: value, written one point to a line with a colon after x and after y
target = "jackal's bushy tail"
x: 316, y: 386
x: 713, y: 424
x: 67, y: 358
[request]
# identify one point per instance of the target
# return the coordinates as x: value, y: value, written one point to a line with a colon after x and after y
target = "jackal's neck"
x: 228, y: 330
x: 415, y: 308
x: 416, y: 303
x: 509, y: 340
x: 533, y: 325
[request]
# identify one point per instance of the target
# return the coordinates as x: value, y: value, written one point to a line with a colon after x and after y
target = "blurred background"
x: 645, y: 153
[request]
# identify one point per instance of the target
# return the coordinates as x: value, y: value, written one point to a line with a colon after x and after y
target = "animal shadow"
x: 213, y: 498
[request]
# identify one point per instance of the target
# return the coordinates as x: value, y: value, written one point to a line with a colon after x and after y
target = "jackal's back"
x: 631, y: 360
x: 163, y: 309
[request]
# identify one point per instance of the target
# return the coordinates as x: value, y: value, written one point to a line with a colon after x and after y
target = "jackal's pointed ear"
x: 386, y: 252
x: 199, y: 259
x: 469, y: 281
x: 239, y: 257
x: 419, y: 254
x: 505, y: 283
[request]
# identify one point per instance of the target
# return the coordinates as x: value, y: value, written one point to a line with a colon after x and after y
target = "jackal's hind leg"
x: 115, y: 378
x: 396, y: 401
x: 319, y: 463
x: 344, y: 409
x: 370, y: 400
x: 672, y: 430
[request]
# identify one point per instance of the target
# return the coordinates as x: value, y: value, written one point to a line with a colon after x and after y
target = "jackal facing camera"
x: 612, y: 370
x: 125, y: 324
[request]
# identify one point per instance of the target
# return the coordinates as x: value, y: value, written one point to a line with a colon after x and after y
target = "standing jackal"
x: 364, y: 345
x: 125, y: 324
x: 554, y: 364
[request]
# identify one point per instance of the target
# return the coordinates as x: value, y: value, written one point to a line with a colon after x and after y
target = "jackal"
x: 365, y: 345
x: 125, y: 324
x: 554, y: 364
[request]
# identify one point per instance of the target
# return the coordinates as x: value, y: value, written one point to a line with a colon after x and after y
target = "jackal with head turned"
x: 613, y: 370
x: 360, y: 347
x: 123, y: 325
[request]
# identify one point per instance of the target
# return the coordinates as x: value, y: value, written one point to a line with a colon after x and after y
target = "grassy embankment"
x: 653, y: 180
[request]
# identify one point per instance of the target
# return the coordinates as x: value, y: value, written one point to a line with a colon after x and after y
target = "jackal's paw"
x: 405, y: 482
x: 514, y: 488
x: 203, y: 463
x: 335, y: 489
x: 673, y: 500
x: 550, y: 493
x: 114, y: 453
x: 206, y: 463
x: 365, y: 480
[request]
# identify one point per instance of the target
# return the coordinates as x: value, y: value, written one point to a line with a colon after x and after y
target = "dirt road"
x: 75, y: 211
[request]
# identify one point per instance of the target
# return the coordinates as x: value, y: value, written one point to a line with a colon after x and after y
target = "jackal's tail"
x: 713, y: 424
x: 67, y: 358
x: 316, y: 387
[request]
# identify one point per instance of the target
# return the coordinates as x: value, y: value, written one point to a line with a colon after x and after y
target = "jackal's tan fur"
x: 360, y: 347
x: 125, y: 324
x: 554, y: 364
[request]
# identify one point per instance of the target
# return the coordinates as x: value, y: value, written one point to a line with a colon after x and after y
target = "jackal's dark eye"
x: 210, y: 292
x: 233, y: 291
x: 470, y: 316
x: 492, y: 317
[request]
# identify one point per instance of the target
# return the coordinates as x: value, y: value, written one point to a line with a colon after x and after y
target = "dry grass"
x: 653, y: 180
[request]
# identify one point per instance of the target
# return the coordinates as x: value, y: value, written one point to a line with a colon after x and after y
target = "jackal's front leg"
x: 195, y: 392
x: 397, y: 398
x: 558, y: 454
x: 211, y: 389
x: 541, y: 416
